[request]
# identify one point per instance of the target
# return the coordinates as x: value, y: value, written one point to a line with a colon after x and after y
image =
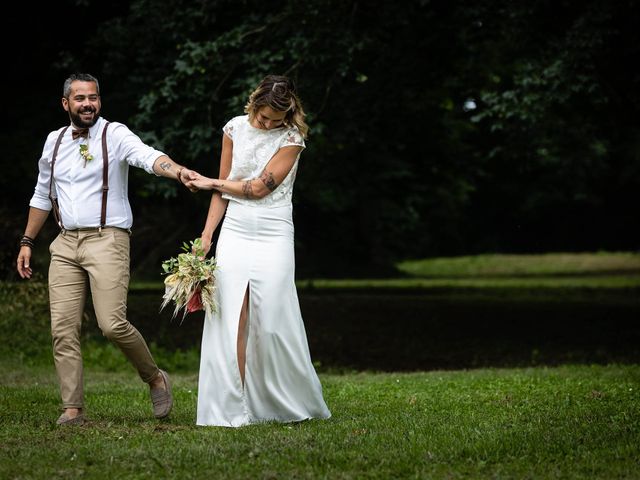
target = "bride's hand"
x: 203, y: 183
x: 206, y: 245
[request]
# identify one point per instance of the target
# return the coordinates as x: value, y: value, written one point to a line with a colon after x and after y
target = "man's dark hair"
x: 83, y: 77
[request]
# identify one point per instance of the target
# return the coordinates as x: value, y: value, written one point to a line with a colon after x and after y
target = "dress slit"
x: 242, y: 336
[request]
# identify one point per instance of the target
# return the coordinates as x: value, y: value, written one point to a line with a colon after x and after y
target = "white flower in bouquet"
x: 190, y: 283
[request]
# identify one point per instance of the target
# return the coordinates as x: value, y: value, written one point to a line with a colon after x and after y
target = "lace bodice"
x: 252, y: 150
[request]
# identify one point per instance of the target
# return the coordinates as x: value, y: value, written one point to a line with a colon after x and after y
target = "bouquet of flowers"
x: 190, y: 282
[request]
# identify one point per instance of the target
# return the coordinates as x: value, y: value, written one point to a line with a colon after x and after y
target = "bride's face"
x: 266, y: 118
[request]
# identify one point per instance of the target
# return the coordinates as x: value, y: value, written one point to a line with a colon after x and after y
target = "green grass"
x: 496, y: 272
x: 546, y: 265
x: 540, y: 422
x: 573, y: 282
x: 609, y: 282
x: 566, y: 422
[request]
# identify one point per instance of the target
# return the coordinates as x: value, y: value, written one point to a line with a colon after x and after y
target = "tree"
x: 437, y: 128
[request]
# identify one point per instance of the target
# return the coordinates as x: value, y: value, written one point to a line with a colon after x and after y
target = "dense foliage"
x: 437, y: 128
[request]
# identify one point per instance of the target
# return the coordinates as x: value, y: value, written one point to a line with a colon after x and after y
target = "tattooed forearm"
x: 165, y: 165
x: 268, y: 180
x: 247, y: 189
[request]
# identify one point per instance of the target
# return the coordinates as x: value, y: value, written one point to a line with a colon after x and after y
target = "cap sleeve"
x: 230, y: 127
x: 293, y: 138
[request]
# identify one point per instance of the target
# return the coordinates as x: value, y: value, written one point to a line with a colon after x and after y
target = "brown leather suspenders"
x: 105, y: 179
x: 54, y: 201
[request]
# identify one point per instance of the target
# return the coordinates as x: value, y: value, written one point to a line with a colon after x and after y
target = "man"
x: 83, y: 174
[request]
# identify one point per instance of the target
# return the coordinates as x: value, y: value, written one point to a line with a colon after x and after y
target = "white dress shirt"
x: 78, y: 187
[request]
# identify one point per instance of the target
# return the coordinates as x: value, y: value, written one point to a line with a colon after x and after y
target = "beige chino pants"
x: 81, y: 258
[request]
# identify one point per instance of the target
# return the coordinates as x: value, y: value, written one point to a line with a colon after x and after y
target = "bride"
x: 255, y: 363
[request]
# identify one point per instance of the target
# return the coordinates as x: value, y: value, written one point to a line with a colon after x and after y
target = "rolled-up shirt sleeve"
x: 130, y: 148
x: 40, y: 197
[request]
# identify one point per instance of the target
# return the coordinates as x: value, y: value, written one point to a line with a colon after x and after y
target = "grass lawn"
x: 536, y: 407
x: 562, y: 422
x: 510, y: 274
x: 504, y: 265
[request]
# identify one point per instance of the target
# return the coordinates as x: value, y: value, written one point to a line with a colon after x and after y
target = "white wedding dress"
x: 255, y: 252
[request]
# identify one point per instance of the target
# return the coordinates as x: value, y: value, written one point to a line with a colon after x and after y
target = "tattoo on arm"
x: 247, y: 189
x: 268, y: 180
x: 165, y: 165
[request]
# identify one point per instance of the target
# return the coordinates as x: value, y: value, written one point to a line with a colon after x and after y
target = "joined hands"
x: 200, y: 182
x: 186, y: 176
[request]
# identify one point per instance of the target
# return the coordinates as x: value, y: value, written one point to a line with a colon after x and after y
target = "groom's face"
x: 83, y: 103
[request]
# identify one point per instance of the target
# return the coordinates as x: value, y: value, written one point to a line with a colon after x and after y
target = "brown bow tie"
x: 80, y: 132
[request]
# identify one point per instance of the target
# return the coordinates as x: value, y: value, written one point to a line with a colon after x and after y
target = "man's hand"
x: 187, y: 176
x: 24, y: 258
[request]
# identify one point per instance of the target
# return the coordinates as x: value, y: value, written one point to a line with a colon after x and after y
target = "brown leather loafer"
x: 162, y: 400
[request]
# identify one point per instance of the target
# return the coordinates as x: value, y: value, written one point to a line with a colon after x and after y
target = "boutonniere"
x: 84, y: 152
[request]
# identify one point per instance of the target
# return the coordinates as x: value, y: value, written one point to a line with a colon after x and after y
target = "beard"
x: 78, y: 122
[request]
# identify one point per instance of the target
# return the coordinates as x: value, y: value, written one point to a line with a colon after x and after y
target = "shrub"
x: 24, y: 321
